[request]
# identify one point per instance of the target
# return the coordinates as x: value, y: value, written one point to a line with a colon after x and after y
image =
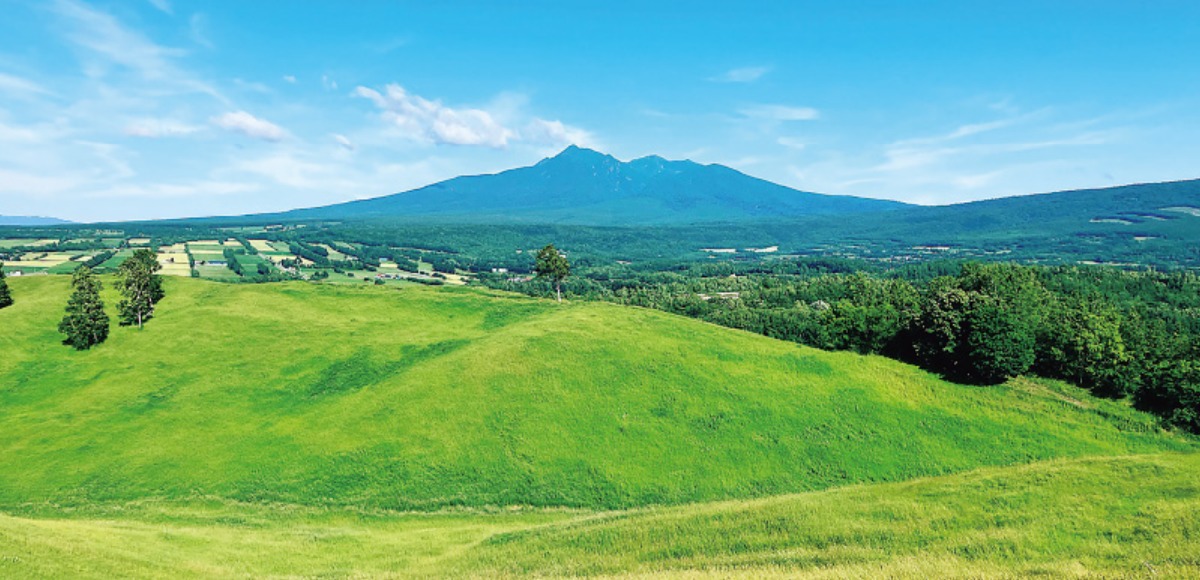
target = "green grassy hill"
x: 1114, y: 517
x: 277, y: 429
x: 423, y: 398
x: 1120, y: 516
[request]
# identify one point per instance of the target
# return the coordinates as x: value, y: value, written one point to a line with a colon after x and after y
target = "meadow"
x: 466, y: 431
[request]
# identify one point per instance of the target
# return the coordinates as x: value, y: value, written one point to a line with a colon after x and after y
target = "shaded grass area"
x: 1100, y: 517
x: 421, y: 399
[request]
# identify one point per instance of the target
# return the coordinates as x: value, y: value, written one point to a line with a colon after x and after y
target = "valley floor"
x: 1100, y: 517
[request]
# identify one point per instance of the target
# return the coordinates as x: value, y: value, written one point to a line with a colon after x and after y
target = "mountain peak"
x: 577, y: 155
x: 574, y: 152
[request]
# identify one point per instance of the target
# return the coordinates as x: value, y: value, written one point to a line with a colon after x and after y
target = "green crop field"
x: 459, y: 431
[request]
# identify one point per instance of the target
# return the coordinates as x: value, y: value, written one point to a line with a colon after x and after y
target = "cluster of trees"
x: 1117, y: 333
x: 231, y: 262
x: 86, y: 324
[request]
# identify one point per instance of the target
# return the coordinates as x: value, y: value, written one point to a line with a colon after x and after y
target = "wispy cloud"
x: 107, y: 46
x: 159, y: 191
x: 155, y: 128
x: 290, y: 79
x: 433, y: 122
x: 780, y: 113
x: 1008, y: 153
x: 344, y: 141
x: 556, y: 133
x: 15, y: 84
x: 162, y: 5
x: 792, y: 143
x: 249, y: 125
x: 502, y: 123
x: 104, y: 37
x: 747, y: 74
x: 198, y: 30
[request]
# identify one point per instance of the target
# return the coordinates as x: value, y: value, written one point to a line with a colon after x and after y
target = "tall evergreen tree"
x: 86, y: 323
x: 6, y: 299
x: 552, y: 265
x: 141, y: 288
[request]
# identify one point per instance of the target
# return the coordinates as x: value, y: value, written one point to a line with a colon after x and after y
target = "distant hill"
x: 17, y: 220
x: 1145, y: 206
x: 582, y: 186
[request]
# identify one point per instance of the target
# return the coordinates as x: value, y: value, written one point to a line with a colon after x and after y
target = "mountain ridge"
x: 581, y: 186
x: 23, y: 220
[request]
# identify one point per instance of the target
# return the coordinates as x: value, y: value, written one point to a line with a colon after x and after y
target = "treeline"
x: 1116, y: 333
x: 235, y: 260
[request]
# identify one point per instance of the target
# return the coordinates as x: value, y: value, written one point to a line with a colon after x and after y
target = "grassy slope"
x: 426, y: 398
x: 1107, y: 517
x: 1123, y: 516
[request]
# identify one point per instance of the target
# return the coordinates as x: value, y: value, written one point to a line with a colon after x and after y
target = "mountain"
x: 1129, y: 207
x: 16, y: 220
x: 582, y: 186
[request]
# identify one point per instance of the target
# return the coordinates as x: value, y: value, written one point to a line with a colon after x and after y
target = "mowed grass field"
x: 283, y: 429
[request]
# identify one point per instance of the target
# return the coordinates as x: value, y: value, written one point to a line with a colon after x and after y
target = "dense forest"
x: 1118, y: 333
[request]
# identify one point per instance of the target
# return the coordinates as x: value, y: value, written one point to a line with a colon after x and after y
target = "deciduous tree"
x: 141, y: 287
x: 553, y: 266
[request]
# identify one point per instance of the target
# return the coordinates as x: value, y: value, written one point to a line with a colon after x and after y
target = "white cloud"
x: 249, y: 125
x: 780, y: 113
x: 328, y: 83
x: 741, y: 75
x: 502, y: 123
x: 290, y: 79
x: 556, y: 133
x: 432, y: 122
x: 344, y: 141
x: 154, y: 128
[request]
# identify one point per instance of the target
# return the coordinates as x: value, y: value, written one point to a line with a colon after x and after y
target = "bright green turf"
x: 1102, y: 517
x: 1136, y: 516
x: 422, y: 398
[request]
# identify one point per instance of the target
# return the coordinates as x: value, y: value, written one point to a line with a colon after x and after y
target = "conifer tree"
x: 86, y: 323
x: 6, y: 299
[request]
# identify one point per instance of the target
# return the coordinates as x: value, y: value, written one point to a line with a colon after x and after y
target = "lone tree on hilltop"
x: 86, y: 323
x: 552, y: 265
x: 141, y: 287
x: 5, y: 295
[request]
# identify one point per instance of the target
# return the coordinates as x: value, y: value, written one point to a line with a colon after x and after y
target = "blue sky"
x: 166, y: 108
